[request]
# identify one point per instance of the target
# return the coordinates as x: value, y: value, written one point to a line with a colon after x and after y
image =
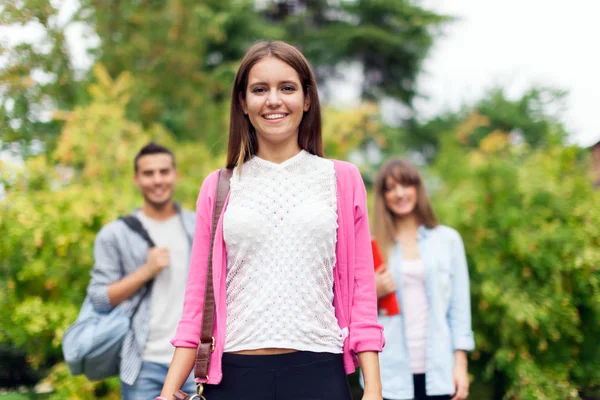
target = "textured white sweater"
x: 280, y: 234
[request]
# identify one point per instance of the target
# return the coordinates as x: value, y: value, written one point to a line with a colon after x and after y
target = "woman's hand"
x: 372, y: 393
x: 460, y: 376
x: 179, y: 370
x: 384, y: 282
x: 372, y: 396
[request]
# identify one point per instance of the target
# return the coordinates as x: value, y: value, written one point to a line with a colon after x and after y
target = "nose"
x: 273, y: 99
x: 399, y: 189
x: 157, y: 178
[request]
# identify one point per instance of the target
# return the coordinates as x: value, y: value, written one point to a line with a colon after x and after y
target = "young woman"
x: 425, y: 355
x: 292, y: 265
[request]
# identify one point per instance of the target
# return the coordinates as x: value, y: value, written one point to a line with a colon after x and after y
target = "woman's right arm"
x: 181, y: 366
x: 188, y: 331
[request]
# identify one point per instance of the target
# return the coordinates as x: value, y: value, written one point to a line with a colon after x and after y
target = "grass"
x: 16, y: 396
x: 23, y: 396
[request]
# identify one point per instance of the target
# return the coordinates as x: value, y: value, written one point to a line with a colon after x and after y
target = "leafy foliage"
x: 531, y: 226
x: 531, y: 119
x: 183, y: 54
x: 35, y: 78
x: 388, y: 40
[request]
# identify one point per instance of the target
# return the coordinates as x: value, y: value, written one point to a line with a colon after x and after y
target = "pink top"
x: 354, y: 281
x: 416, y: 312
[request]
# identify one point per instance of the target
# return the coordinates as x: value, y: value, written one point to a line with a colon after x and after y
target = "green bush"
x: 54, y: 207
x: 530, y: 221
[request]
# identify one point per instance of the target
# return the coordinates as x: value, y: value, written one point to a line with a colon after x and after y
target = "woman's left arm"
x: 459, y: 318
x: 460, y: 375
x: 366, y: 334
x: 459, y: 312
x: 369, y: 366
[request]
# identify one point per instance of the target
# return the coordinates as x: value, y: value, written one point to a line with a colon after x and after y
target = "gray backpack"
x: 92, y: 344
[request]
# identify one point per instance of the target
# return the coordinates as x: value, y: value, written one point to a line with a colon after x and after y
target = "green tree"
x: 388, y: 39
x: 183, y: 55
x: 532, y: 118
x: 35, y: 78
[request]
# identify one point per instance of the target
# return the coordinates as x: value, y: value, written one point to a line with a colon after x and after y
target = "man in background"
x: 149, y: 282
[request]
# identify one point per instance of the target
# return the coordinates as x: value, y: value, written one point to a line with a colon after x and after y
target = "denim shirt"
x: 449, y: 327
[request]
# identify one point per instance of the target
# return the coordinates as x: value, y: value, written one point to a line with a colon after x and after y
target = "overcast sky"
x: 511, y: 43
x: 516, y: 44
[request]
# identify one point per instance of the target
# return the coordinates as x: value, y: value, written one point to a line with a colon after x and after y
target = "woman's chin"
x: 403, y: 213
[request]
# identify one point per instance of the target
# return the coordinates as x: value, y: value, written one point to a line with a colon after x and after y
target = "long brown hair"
x: 243, y: 143
x: 405, y: 174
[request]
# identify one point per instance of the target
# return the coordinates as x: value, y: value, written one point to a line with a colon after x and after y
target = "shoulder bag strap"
x: 207, y: 342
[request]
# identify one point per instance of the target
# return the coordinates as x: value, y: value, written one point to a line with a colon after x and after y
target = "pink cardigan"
x: 354, y: 282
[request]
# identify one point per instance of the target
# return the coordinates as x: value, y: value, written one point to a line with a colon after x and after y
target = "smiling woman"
x: 275, y: 104
x: 290, y: 246
x: 427, y: 270
x: 274, y: 78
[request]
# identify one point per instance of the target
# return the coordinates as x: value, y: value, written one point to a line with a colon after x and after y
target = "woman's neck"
x: 278, y: 152
x: 406, y: 227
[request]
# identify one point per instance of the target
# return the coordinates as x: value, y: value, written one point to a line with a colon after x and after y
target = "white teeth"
x: 274, y: 116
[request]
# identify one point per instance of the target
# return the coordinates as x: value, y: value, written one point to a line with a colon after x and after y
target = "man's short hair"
x: 152, y: 148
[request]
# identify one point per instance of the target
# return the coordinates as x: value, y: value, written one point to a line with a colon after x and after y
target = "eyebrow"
x: 152, y: 170
x: 286, y: 82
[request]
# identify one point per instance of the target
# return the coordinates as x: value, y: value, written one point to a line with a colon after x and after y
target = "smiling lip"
x: 274, y: 116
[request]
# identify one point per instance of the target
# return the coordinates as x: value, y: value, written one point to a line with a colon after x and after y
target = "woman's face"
x: 399, y: 199
x: 274, y: 100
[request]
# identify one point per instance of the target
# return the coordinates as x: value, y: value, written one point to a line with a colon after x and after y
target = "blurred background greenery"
x: 500, y: 170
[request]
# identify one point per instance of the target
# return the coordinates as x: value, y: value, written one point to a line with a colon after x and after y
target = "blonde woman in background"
x: 426, y: 352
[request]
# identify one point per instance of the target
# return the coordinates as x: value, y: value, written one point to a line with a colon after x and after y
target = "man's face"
x: 156, y: 177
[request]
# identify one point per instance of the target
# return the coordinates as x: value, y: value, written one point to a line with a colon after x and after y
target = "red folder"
x: 387, y: 305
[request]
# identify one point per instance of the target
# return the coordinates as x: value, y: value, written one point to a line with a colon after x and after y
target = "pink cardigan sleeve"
x: 188, y: 330
x: 366, y: 334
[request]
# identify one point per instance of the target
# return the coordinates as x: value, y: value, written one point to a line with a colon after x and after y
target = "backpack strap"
x: 135, y: 225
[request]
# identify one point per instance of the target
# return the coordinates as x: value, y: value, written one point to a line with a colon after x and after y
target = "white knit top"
x: 280, y: 233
